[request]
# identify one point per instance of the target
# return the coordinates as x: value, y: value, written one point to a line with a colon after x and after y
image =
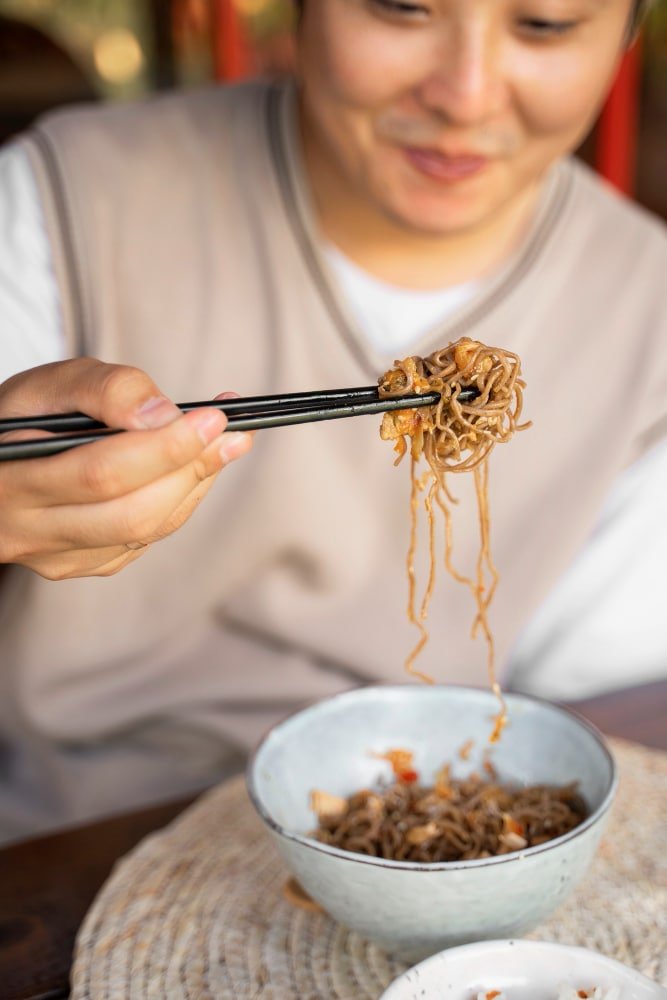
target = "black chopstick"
x: 245, y: 413
x: 59, y: 422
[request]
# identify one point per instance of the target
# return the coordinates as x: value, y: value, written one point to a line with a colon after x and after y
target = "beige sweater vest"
x: 185, y: 244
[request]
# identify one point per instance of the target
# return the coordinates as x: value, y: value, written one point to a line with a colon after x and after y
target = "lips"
x: 441, y: 167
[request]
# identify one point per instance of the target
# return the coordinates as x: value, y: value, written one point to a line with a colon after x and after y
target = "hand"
x: 92, y: 510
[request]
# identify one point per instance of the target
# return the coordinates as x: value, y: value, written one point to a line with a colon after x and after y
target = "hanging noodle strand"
x: 455, y: 437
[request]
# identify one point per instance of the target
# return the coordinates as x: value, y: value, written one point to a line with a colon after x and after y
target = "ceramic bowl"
x: 412, y: 909
x: 522, y: 970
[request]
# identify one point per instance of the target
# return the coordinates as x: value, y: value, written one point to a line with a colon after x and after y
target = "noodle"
x: 419, y: 622
x: 453, y: 820
x: 473, y: 817
x: 454, y: 437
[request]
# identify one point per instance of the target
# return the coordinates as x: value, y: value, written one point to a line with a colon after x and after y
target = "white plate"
x: 523, y: 970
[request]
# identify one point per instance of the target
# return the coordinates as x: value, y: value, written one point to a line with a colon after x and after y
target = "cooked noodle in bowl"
x: 400, y: 810
x: 414, y: 908
x: 455, y: 819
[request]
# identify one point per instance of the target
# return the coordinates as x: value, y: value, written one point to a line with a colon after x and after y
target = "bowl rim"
x: 521, y: 944
x: 367, y: 691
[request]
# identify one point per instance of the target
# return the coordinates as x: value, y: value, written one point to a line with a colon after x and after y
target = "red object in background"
x: 616, y: 154
x: 231, y: 52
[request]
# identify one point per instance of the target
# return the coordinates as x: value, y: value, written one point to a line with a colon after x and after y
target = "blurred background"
x: 54, y: 52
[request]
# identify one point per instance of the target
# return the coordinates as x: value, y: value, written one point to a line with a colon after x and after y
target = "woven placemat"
x: 198, y: 910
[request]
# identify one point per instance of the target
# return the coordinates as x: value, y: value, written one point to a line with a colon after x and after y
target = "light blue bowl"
x: 412, y: 909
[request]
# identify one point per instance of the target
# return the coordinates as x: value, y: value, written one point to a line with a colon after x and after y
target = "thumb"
x: 117, y: 395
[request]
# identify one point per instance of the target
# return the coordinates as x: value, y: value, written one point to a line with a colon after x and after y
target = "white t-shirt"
x: 607, y: 610
x: 390, y: 317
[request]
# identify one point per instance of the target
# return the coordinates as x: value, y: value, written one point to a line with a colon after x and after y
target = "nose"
x: 465, y: 82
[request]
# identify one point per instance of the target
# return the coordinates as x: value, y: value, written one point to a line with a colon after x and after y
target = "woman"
x: 414, y: 187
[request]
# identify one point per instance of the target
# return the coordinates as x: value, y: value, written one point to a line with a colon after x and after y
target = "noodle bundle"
x: 454, y: 436
x: 453, y: 820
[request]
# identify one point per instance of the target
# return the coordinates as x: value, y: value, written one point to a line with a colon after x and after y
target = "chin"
x: 436, y: 218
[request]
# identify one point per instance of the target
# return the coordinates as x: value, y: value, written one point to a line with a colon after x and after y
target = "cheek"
x: 568, y: 108
x: 356, y: 68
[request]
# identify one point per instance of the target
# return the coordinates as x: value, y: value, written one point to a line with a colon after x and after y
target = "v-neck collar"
x: 286, y: 154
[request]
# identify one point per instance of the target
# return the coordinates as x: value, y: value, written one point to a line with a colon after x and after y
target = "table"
x: 48, y: 883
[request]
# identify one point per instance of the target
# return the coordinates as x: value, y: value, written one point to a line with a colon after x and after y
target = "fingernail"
x: 233, y: 444
x: 157, y: 412
x: 208, y: 424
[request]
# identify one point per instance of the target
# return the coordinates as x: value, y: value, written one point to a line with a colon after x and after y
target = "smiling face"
x: 439, y: 115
